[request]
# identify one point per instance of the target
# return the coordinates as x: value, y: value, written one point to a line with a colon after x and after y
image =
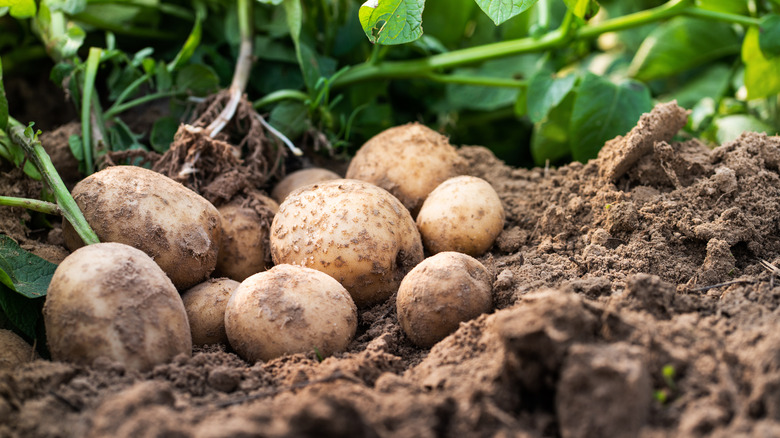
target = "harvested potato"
x: 354, y: 231
x: 175, y: 226
x: 244, y: 249
x: 14, y: 351
x: 112, y: 300
x: 409, y: 161
x: 205, y: 304
x: 289, y: 309
x: 301, y: 178
x: 463, y: 214
x: 440, y: 293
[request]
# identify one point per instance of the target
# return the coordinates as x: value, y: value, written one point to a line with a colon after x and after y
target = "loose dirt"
x: 631, y: 300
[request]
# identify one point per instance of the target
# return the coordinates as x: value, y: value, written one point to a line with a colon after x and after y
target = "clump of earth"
x: 636, y: 295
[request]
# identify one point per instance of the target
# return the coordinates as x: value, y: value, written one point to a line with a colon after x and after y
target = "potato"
x: 353, y: 231
x: 14, y: 351
x: 244, y: 249
x: 463, y: 214
x: 175, y: 226
x: 409, y: 161
x: 205, y: 304
x: 301, y: 178
x: 440, y: 293
x: 112, y: 300
x: 289, y: 309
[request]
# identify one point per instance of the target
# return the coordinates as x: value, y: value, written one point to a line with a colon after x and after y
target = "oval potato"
x: 244, y: 248
x: 205, y: 304
x: 300, y: 178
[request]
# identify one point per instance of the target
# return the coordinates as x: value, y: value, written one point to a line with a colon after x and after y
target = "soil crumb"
x: 635, y: 297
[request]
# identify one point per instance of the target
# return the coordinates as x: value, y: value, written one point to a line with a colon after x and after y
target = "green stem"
x: 93, y: 60
x: 118, y: 109
x: 280, y: 95
x: 31, y: 204
x: 484, y: 81
x: 722, y: 16
x: 127, y: 91
x: 667, y: 10
x: 35, y: 153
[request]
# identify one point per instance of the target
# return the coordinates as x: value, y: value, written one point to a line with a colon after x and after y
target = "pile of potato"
x: 276, y: 276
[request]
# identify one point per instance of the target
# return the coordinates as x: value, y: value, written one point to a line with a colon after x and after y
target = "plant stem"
x: 280, y: 95
x: 31, y: 204
x: 126, y: 92
x: 241, y: 73
x: 86, y: 126
x: 477, y: 80
x: 35, y: 153
x: 117, y: 109
x: 722, y: 16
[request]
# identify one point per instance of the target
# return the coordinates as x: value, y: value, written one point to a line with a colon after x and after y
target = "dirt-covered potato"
x: 354, y: 231
x: 440, y: 293
x: 463, y: 214
x: 301, y: 178
x: 175, y: 226
x: 14, y: 351
x: 244, y: 249
x: 205, y: 304
x: 289, y: 309
x: 112, y: 300
x: 409, y: 161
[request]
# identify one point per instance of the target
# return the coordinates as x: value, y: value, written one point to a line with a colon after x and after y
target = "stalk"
x: 31, y: 204
x: 86, y: 126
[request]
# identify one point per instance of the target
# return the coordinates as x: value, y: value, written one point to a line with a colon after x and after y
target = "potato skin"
x: 354, y: 231
x: 300, y: 178
x: 440, y: 293
x: 14, y: 351
x: 289, y: 309
x: 463, y: 214
x: 409, y: 161
x: 112, y: 300
x: 244, y: 248
x: 205, y: 304
x: 175, y: 226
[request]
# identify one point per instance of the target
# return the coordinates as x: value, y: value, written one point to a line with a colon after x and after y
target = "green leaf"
x: 730, y: 127
x: 603, y: 110
x: 681, y: 44
x: 3, y: 102
x: 22, y: 271
x: 163, y: 131
x: 488, y: 98
x: 550, y: 138
x: 23, y: 313
x: 762, y: 74
x: 289, y: 117
x: 19, y: 8
x: 584, y: 9
x: 193, y: 40
x: 711, y: 83
x: 545, y: 91
x: 76, y: 147
x: 198, y: 79
x: 769, y: 37
x: 392, y: 21
x: 501, y: 10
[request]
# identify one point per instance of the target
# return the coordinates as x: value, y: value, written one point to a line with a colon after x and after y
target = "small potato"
x: 175, y: 226
x: 353, y: 231
x: 463, y: 214
x: 14, y: 351
x: 301, y: 178
x: 112, y: 300
x: 289, y: 309
x: 440, y: 293
x: 244, y: 249
x: 409, y: 161
x: 205, y: 304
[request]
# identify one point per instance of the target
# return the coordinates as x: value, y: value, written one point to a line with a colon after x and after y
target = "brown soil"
x: 631, y: 300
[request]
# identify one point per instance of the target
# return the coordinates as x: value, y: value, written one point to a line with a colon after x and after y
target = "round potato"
x: 14, y: 351
x: 289, y: 309
x: 244, y: 249
x: 175, y: 226
x: 205, y: 304
x: 112, y: 300
x: 353, y: 231
x: 409, y: 161
x: 440, y: 293
x: 463, y: 214
x: 301, y: 178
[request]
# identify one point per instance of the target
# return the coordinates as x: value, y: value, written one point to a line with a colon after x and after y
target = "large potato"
x: 289, y: 309
x: 440, y: 293
x: 205, y: 304
x: 244, y: 249
x: 353, y: 231
x: 409, y: 161
x: 111, y: 300
x: 463, y: 214
x: 175, y: 226
x: 301, y: 178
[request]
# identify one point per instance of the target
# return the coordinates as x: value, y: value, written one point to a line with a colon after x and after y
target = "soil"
x: 635, y: 295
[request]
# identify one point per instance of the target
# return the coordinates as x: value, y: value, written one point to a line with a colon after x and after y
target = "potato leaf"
x: 769, y: 37
x: 501, y: 10
x: 603, y: 110
x: 22, y: 271
x: 392, y: 21
x: 550, y: 139
x: 19, y: 8
x: 762, y: 74
x: 545, y: 92
x: 730, y: 127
